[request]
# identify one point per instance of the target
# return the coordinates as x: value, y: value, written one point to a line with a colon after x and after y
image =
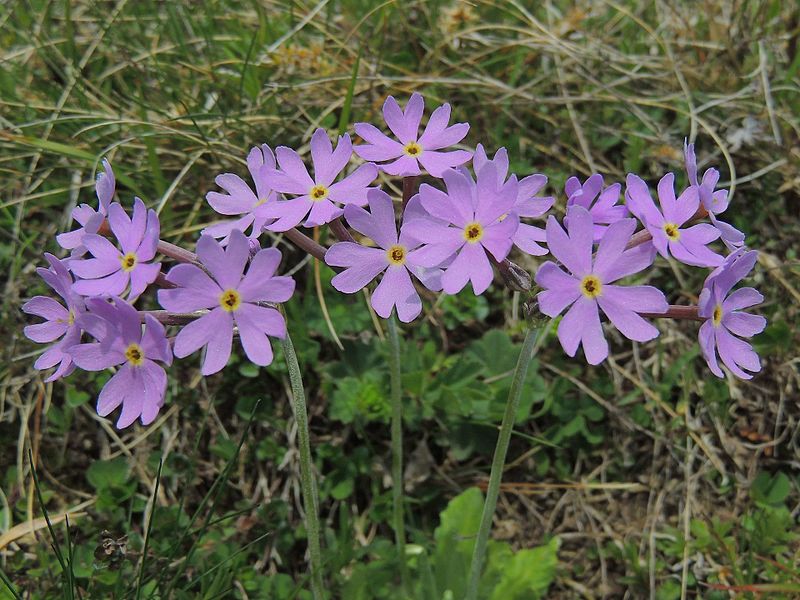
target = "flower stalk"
x: 397, y: 445
x: 498, y: 462
x: 307, y: 486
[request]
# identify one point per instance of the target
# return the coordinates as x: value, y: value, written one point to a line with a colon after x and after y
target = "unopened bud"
x: 514, y: 276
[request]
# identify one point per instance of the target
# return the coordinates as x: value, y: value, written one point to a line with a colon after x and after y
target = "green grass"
x: 704, y: 471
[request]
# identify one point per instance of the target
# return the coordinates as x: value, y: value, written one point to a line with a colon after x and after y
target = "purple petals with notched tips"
x: 713, y: 200
x: 249, y: 206
x: 234, y: 297
x: 600, y: 201
x: 113, y: 269
x: 410, y: 153
x: 319, y: 199
x: 588, y: 286
x: 396, y: 258
x: 528, y: 205
x: 689, y: 245
x: 471, y: 221
x: 726, y: 322
x: 89, y: 218
x: 139, y: 385
x: 60, y: 320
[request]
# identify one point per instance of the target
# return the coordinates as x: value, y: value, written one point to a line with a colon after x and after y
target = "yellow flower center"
x: 396, y: 255
x: 591, y: 286
x: 717, y: 316
x: 473, y: 232
x: 318, y: 192
x: 412, y: 149
x: 261, y: 202
x: 128, y: 262
x: 71, y: 318
x: 230, y: 300
x: 672, y: 231
x: 134, y: 354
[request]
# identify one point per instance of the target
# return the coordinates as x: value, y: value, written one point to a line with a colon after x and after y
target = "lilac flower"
x: 589, y: 287
x: 413, y: 150
x: 233, y: 299
x: 528, y: 204
x: 687, y: 245
x: 112, y: 270
x: 601, y: 203
x: 725, y: 319
x: 395, y: 258
x: 318, y: 197
x: 59, y: 320
x: 89, y: 218
x: 470, y: 220
x: 239, y: 198
x: 715, y: 202
x: 140, y: 384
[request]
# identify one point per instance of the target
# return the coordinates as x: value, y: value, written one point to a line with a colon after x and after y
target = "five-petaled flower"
x: 688, y: 245
x: 112, y: 269
x: 602, y: 203
x: 233, y: 299
x: 413, y: 151
x: 251, y: 208
x: 470, y: 220
x: 395, y: 257
x: 140, y: 384
x: 528, y: 204
x: 589, y: 287
x: 714, y: 201
x: 725, y: 318
x: 90, y: 219
x: 319, y: 197
x: 59, y: 319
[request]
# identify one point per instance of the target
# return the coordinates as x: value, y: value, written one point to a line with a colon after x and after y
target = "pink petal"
x: 396, y: 289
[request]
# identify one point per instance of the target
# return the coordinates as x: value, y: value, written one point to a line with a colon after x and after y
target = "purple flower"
x: 318, y: 197
x: 470, y: 220
x: 233, y: 299
x: 395, y: 258
x: 715, y: 202
x: 59, y: 320
x: 89, y: 218
x: 725, y: 319
x: 112, y: 269
x: 601, y: 203
x: 528, y: 204
x: 239, y: 198
x: 139, y: 385
x: 589, y: 287
x: 687, y: 245
x: 413, y: 149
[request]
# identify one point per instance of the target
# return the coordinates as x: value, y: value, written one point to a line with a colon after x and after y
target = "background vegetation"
x: 643, y: 477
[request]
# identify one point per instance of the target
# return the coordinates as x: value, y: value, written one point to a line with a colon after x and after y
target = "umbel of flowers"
x: 455, y: 231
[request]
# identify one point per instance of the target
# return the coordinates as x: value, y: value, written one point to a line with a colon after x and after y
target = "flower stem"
x: 310, y: 503
x: 498, y: 462
x: 397, y: 446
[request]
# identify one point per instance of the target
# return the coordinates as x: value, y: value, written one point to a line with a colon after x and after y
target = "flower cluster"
x: 457, y: 229
x: 111, y: 265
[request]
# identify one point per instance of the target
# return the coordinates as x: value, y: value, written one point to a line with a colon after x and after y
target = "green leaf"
x: 105, y: 474
x: 528, y: 574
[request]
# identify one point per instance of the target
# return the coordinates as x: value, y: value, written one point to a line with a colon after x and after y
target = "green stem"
x: 307, y: 486
x: 397, y: 446
x: 498, y: 462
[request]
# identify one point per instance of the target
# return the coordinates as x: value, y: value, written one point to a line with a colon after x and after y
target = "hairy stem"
x: 498, y: 462
x: 307, y: 486
x: 397, y: 446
